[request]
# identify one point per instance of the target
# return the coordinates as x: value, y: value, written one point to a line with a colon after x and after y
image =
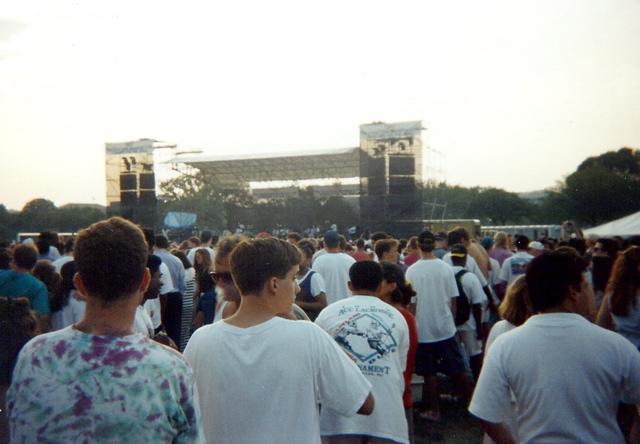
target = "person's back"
x: 98, y: 381
x: 254, y: 360
x: 566, y: 374
x: 434, y: 282
x: 17, y: 326
x: 375, y: 336
x: 514, y: 266
x: 434, y: 304
x: 500, y: 250
x: 360, y: 254
x: 279, y: 362
x: 334, y: 268
x: 18, y: 283
x: 96, y: 388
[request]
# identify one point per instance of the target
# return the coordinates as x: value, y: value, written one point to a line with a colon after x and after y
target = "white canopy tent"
x: 626, y: 226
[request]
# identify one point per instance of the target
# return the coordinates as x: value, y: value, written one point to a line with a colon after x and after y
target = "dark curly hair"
x: 18, y: 325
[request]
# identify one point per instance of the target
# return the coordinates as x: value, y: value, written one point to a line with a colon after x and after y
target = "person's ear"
x: 350, y: 285
x: 272, y: 284
x: 392, y: 286
x: 146, y: 278
x: 77, y: 281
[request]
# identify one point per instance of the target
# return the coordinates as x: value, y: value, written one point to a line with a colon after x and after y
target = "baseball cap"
x: 487, y: 242
x: 458, y: 250
x: 536, y: 245
x: 331, y: 238
x: 426, y: 237
x: 441, y: 235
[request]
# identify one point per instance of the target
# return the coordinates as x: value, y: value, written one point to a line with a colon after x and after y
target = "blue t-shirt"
x: 23, y: 285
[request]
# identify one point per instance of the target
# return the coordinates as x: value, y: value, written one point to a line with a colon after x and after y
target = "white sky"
x: 515, y: 93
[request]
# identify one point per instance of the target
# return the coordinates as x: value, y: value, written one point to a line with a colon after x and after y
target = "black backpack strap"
x: 461, y: 273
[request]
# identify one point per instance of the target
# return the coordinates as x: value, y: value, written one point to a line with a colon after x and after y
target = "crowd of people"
x: 122, y: 335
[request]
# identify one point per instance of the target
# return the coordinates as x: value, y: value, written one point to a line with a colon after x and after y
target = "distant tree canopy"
x: 42, y: 215
x: 602, y: 188
x: 194, y: 194
x: 493, y: 206
x: 38, y: 206
x: 605, y: 187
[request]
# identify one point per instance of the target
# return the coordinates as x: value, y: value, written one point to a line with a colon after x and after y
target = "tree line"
x: 602, y: 188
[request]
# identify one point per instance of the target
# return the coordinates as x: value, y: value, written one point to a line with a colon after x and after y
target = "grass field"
x: 457, y: 426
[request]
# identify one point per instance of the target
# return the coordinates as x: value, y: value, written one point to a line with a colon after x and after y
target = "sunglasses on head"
x: 218, y: 277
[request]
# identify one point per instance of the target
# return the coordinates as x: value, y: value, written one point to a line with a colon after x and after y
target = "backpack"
x: 463, y: 310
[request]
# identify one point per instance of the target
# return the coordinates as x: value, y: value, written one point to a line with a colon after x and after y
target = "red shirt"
x: 407, y: 398
x: 360, y: 255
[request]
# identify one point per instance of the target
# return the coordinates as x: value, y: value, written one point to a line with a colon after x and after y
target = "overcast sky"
x: 515, y: 94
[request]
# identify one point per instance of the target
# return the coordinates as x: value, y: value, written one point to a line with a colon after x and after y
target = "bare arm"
x: 497, y: 432
x: 368, y: 406
x: 316, y: 306
x: 454, y: 306
x: 604, y: 319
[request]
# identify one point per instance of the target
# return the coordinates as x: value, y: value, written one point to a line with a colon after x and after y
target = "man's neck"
x: 253, y: 310
x: 363, y: 293
x: 427, y: 255
x: 112, y: 320
x: 567, y: 306
x: 333, y: 250
x: 14, y: 267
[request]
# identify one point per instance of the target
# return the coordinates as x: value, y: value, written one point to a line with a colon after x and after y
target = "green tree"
x: 605, y: 187
x: 444, y: 201
x: 554, y: 208
x: 8, y: 224
x: 194, y: 194
x: 72, y: 220
x: 37, y: 215
x: 38, y: 206
x: 499, y: 207
x: 337, y: 211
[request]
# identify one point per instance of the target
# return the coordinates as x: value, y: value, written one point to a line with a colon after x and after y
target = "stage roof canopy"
x: 266, y: 167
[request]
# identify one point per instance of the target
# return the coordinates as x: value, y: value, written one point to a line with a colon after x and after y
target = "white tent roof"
x: 626, y: 226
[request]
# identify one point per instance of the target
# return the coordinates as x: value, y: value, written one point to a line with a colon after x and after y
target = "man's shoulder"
x: 470, y: 277
x: 46, y: 340
x: 471, y: 260
x: 333, y: 258
x: 5, y: 275
x: 507, y: 261
x: 170, y: 258
x: 347, y: 258
x: 30, y: 281
x: 421, y: 267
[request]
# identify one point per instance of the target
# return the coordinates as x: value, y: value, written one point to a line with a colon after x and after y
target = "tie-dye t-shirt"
x: 73, y: 387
